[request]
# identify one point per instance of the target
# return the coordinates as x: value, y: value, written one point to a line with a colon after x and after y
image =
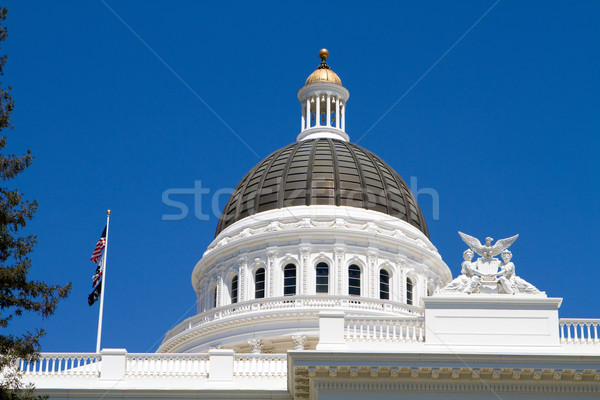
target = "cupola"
x: 323, y: 100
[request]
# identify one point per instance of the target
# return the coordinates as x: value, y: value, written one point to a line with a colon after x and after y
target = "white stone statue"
x: 510, y: 282
x: 468, y: 282
x: 488, y: 274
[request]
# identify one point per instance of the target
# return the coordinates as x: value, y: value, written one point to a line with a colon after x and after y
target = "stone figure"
x: 468, y: 282
x: 488, y: 274
x: 510, y: 282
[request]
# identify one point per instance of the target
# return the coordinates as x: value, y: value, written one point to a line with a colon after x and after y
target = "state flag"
x: 97, y: 275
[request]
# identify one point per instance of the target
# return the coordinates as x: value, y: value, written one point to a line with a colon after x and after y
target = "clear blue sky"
x: 505, y: 128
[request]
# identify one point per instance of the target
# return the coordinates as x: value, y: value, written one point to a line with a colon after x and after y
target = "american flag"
x: 99, y: 247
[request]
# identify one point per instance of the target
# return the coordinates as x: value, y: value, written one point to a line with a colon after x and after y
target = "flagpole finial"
x: 108, y: 212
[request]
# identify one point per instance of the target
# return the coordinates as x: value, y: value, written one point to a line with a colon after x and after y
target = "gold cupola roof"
x: 323, y: 73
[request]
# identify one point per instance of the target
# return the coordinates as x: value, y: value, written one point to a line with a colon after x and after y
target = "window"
x: 322, y: 278
x: 259, y: 283
x: 384, y: 285
x: 289, y: 280
x: 409, y: 291
x: 234, y: 289
x: 354, y: 280
x: 215, y: 296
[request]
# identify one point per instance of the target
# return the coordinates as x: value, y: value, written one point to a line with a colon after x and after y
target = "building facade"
x: 321, y: 282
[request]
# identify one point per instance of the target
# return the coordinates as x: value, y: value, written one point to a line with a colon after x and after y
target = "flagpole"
x: 103, y: 283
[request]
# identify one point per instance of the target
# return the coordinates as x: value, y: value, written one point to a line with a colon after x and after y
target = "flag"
x: 99, y: 247
x: 95, y: 295
x: 97, y: 275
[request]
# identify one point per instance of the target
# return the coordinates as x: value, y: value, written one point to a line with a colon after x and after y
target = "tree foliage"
x: 17, y: 292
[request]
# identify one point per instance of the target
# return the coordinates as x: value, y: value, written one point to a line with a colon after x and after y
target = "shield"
x: 489, y: 266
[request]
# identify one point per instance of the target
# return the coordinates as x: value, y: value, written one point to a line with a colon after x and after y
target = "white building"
x: 322, y: 282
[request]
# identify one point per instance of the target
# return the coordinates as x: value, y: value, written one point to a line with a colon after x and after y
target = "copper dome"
x: 322, y: 172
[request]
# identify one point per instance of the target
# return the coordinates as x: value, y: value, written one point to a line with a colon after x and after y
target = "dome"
x: 323, y: 73
x: 322, y: 171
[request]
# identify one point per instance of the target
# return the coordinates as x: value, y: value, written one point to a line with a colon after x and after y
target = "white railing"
x: 152, y: 365
x: 323, y: 302
x: 62, y: 364
x: 265, y: 365
x: 167, y: 365
x: 579, y: 331
x: 390, y: 329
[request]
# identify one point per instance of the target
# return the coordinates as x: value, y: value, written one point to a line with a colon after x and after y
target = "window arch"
x: 322, y: 285
x: 409, y: 291
x: 259, y: 283
x: 289, y: 280
x: 354, y: 280
x: 234, y: 289
x: 384, y: 284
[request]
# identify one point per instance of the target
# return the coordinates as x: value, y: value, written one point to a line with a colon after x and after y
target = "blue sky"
x: 505, y: 128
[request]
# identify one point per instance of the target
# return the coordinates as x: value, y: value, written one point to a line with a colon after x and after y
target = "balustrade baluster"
x: 587, y: 328
x: 387, y: 331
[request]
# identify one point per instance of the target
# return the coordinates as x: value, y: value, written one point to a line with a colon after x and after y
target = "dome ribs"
x: 361, y: 176
x: 322, y: 171
x: 407, y: 203
x: 240, y: 201
x: 261, y: 185
x: 309, y: 172
x: 386, y: 189
x: 284, y: 179
x: 336, y: 172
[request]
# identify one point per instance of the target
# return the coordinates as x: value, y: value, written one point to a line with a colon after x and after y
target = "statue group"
x: 488, y: 274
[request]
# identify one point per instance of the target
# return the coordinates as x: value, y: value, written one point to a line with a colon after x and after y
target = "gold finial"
x: 108, y: 212
x: 323, y: 54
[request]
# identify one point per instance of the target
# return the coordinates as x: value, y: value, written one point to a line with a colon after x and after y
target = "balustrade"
x: 62, y: 364
x: 265, y: 365
x: 168, y: 365
x: 325, y: 302
x: 373, y: 329
x: 579, y: 331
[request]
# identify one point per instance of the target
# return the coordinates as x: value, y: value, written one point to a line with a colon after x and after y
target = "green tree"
x: 17, y: 292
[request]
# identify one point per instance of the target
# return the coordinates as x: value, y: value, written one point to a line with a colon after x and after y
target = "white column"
x: 303, y: 285
x: 337, y: 112
x: 242, y: 284
x: 344, y: 117
x: 318, y: 113
x: 270, y: 273
x: 302, y: 123
x: 336, y: 272
x: 328, y: 99
x: 219, y: 291
x: 307, y: 114
x: 372, y: 275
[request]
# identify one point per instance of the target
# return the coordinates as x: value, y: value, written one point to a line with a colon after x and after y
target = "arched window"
x: 409, y: 291
x: 234, y: 290
x: 384, y: 285
x: 322, y: 278
x: 354, y: 280
x: 289, y: 280
x: 259, y: 283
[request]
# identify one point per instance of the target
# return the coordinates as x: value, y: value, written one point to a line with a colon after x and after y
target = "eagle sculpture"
x: 486, y: 250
